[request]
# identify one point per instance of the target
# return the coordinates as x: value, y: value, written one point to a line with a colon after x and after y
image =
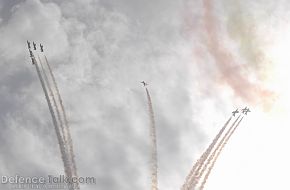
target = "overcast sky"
x: 201, y: 58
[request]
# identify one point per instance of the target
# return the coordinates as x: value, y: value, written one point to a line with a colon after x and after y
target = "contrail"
x: 67, y: 155
x: 65, y: 146
x: 197, y: 166
x: 53, y: 99
x: 64, y: 115
x: 205, y: 166
x: 61, y: 132
x: 217, y: 155
x: 221, y: 141
x: 60, y: 141
x: 66, y: 131
x: 154, y: 166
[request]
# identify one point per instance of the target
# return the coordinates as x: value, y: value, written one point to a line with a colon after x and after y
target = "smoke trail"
x: 154, y: 166
x: 205, y: 166
x: 241, y: 26
x: 67, y: 156
x: 209, y: 149
x: 65, y: 150
x: 60, y: 141
x: 231, y: 72
x: 53, y: 99
x: 197, y: 166
x: 217, y: 155
x: 62, y: 110
x: 186, y: 185
x: 66, y: 131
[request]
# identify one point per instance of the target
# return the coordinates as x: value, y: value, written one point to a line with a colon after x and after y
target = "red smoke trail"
x: 204, y: 166
x: 217, y: 155
x: 154, y: 161
x: 197, y: 166
x: 229, y: 68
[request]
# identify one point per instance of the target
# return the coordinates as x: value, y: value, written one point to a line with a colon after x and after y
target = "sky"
x: 202, y: 60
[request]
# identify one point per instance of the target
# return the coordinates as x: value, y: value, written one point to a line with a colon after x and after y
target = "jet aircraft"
x: 31, y: 56
x: 144, y: 83
x: 34, y: 46
x: 28, y: 44
x: 235, y: 112
x: 246, y: 110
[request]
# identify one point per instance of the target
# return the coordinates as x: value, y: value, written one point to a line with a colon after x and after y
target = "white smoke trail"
x: 208, y: 161
x: 59, y: 138
x: 65, y: 150
x: 205, y: 165
x: 154, y: 166
x: 217, y: 155
x: 197, y: 166
x: 46, y: 80
x: 65, y: 128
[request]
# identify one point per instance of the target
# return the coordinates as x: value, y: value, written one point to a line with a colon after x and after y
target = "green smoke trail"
x: 241, y: 26
x: 232, y: 73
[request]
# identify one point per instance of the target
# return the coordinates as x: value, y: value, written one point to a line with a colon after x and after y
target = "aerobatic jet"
x: 245, y: 110
x: 34, y: 46
x: 30, y: 52
x: 28, y: 44
x: 31, y: 56
x: 235, y: 112
x: 41, y: 47
x: 144, y: 83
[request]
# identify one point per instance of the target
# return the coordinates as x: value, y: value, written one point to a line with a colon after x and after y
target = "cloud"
x: 233, y: 73
x: 99, y: 53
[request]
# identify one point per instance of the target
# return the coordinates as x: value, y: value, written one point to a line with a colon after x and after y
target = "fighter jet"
x: 245, y: 110
x: 34, y: 46
x: 41, y: 47
x: 28, y: 44
x: 31, y: 56
x: 235, y: 112
x: 144, y: 83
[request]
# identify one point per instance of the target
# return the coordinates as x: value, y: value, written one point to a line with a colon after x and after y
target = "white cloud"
x: 99, y: 56
x: 100, y: 51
